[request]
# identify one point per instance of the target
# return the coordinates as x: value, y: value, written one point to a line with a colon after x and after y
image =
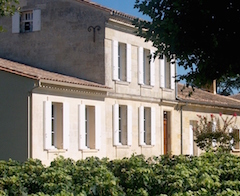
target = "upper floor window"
x: 167, y: 73
x: 89, y: 127
x: 146, y: 68
x: 121, y: 61
x: 147, y: 125
x: 26, y: 21
x: 122, y: 124
x: 56, y: 125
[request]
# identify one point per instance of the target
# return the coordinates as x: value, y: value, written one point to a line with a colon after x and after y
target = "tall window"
x: 167, y: 73
x: 147, y: 125
x: 193, y: 149
x: 89, y: 127
x: 121, y: 61
x: 56, y: 125
x: 146, y: 68
x: 26, y: 21
x: 122, y: 125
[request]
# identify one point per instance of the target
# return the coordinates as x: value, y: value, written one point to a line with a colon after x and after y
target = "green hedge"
x: 210, y: 174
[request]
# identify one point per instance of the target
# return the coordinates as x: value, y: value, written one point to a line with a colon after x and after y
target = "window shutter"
x: 230, y: 130
x: 152, y: 69
x: 115, y: 124
x: 140, y: 65
x: 36, y: 20
x: 16, y: 23
x: 172, y: 65
x: 162, y: 72
x: 81, y: 126
x: 129, y: 63
x: 153, y: 126
x: 115, y: 59
x: 129, y: 125
x: 66, y: 126
x: 97, y: 127
x: 47, y: 124
x: 191, y: 140
x: 141, y: 125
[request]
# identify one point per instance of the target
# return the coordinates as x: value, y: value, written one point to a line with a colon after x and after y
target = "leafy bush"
x: 210, y: 174
x: 216, y: 133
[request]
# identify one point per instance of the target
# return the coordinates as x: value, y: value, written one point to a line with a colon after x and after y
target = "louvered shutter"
x: 172, y: 66
x: 47, y: 110
x: 81, y: 126
x: 141, y: 125
x: 66, y: 126
x: 140, y: 65
x: 191, y: 140
x: 153, y: 126
x: 98, y: 127
x: 129, y: 125
x: 129, y: 63
x: 115, y: 124
x: 162, y: 72
x: 16, y: 23
x: 36, y: 20
x: 152, y: 69
x: 115, y: 59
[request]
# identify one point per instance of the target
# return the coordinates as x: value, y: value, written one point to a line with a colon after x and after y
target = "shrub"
x: 216, y: 133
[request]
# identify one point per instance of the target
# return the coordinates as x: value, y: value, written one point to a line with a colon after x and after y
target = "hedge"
x: 209, y: 174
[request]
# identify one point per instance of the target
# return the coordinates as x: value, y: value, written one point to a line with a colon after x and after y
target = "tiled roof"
x: 206, y: 98
x: 237, y: 96
x: 38, y: 74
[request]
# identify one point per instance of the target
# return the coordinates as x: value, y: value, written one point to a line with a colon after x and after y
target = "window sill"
x: 167, y: 89
x: 146, y: 146
x: 146, y: 86
x: 235, y: 150
x: 88, y: 150
x: 120, y: 82
x: 120, y: 146
x: 55, y: 150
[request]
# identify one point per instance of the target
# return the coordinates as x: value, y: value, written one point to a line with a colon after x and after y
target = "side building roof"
x: 40, y: 74
x: 202, y: 97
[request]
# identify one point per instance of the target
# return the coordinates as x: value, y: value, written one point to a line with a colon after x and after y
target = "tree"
x: 227, y: 84
x: 7, y: 8
x: 203, y: 35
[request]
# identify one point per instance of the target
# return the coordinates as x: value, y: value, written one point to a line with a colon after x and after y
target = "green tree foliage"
x: 203, y: 35
x: 226, y: 85
x: 7, y: 8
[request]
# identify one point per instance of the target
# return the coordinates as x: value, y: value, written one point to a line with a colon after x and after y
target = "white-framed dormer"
x: 26, y: 21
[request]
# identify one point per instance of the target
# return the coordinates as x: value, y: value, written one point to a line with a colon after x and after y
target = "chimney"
x: 212, y: 88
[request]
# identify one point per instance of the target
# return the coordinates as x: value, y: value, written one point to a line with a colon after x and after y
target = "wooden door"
x: 165, y: 128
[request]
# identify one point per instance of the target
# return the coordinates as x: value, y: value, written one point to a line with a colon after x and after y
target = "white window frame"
x: 50, y: 119
x: 167, y: 73
x: 146, y: 67
x: 142, y: 126
x: 84, y: 124
x: 118, y: 117
x: 121, y: 61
